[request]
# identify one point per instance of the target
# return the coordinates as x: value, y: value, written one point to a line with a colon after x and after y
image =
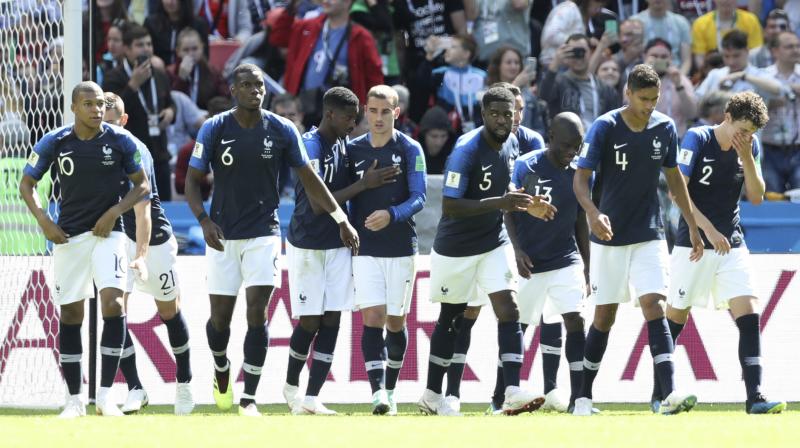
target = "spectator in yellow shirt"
x: 709, y: 29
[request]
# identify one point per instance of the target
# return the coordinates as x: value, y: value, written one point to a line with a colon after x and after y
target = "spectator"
x: 419, y: 20
x: 506, y: 66
x: 781, y: 136
x: 325, y: 52
x: 376, y: 16
x: 168, y: 19
x: 709, y: 30
x: 403, y: 122
x: 711, y: 109
x: 191, y: 73
x: 631, y: 42
x: 145, y: 91
x: 660, y: 22
x: 104, y: 13
x: 437, y: 138
x: 676, y: 96
x: 499, y: 23
x: 777, y: 22
x: 216, y: 105
x: 576, y: 90
x: 188, y: 119
x: 566, y: 19
x: 692, y: 9
x: 737, y: 75
x: 116, y: 51
x: 289, y: 107
x: 610, y: 74
x: 226, y: 19
x: 457, y: 84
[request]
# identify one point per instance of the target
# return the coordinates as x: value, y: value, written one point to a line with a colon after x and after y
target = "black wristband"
x: 203, y: 215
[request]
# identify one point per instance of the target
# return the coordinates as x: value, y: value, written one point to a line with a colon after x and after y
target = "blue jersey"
x: 329, y: 159
x: 161, y: 228
x: 475, y: 171
x: 529, y: 140
x: 403, y: 198
x: 627, y: 166
x: 246, y: 163
x: 89, y: 172
x: 715, y: 183
x: 550, y: 245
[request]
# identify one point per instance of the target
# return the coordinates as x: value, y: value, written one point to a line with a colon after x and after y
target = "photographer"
x: 676, y: 97
x: 781, y: 136
x: 576, y: 90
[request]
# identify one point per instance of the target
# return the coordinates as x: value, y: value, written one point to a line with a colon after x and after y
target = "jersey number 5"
x: 622, y: 161
x: 486, y: 183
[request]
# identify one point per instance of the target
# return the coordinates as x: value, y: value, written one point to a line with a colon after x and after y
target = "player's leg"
x: 70, y: 353
x: 178, y: 333
x: 400, y: 275
x: 372, y: 344
x: 396, y: 344
x: 137, y: 397
x: 573, y: 349
x: 299, y: 345
x: 550, y: 342
x: 322, y: 358
x: 463, y: 326
x: 256, y: 341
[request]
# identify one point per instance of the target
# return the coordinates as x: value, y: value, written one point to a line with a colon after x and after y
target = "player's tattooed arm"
x: 598, y: 222
x: 139, y: 192
x: 524, y: 263
x: 212, y: 233
x: 318, y: 192
x: 51, y: 230
x: 680, y: 194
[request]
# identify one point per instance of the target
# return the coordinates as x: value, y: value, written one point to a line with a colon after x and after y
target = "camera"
x: 577, y: 53
x: 141, y: 59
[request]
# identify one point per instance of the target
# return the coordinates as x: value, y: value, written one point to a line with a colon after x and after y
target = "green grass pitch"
x: 620, y: 425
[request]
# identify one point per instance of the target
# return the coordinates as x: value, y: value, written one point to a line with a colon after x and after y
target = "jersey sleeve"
x: 203, y: 150
x: 296, y: 155
x: 417, y: 179
x: 456, y: 177
x: 592, y: 149
x: 689, y: 152
x: 41, y: 157
x: 314, y: 152
x: 670, y: 158
x: 757, y: 151
x: 131, y: 157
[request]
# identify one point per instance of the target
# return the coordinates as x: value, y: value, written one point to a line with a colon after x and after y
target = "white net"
x: 31, y: 79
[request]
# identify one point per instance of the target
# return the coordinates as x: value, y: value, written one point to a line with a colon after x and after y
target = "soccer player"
x: 716, y: 162
x: 320, y: 267
x: 90, y: 246
x: 552, y: 257
x: 529, y: 140
x: 246, y: 148
x: 158, y: 251
x: 471, y: 250
x: 627, y: 147
x: 385, y: 267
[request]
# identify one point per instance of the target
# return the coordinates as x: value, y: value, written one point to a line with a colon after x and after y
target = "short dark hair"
x: 775, y: 42
x: 716, y: 99
x: 748, y: 106
x: 218, y: 104
x: 286, y: 98
x: 245, y: 68
x: 497, y: 94
x: 510, y: 87
x: 132, y: 32
x: 468, y: 43
x: 735, y: 40
x: 643, y: 76
x: 85, y: 87
x: 339, y: 98
x: 657, y: 41
x: 577, y: 36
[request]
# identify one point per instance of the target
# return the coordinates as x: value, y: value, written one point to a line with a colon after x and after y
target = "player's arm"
x: 140, y: 191
x: 749, y: 151
x: 680, y: 194
x: 38, y: 165
x: 196, y: 177
x: 319, y: 194
x: 582, y: 239
x: 417, y: 179
x: 599, y: 223
x: 144, y: 225
x: 524, y: 263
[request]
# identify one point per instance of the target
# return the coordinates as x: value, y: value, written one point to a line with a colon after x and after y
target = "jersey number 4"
x: 622, y: 161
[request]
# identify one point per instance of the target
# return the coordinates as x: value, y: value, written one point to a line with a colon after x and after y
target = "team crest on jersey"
x: 656, y: 149
x: 267, y: 154
x: 396, y: 159
x: 107, y: 156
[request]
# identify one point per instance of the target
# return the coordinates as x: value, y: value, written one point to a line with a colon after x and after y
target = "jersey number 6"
x: 226, y: 158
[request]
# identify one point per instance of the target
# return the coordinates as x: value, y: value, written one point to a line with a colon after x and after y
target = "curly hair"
x: 642, y: 76
x: 748, y: 106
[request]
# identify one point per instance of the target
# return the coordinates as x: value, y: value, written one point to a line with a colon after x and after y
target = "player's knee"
x: 310, y: 323
x: 111, y: 306
x: 395, y: 324
x: 167, y: 310
x: 449, y: 311
x: 507, y: 313
x: 72, y: 314
x: 220, y: 323
x: 573, y: 322
x: 472, y: 312
x: 331, y: 319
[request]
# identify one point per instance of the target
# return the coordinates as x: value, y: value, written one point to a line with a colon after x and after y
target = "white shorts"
x: 721, y: 277
x: 384, y: 281
x: 86, y: 258
x: 471, y: 279
x: 250, y: 262
x: 618, y: 273
x: 162, y: 280
x: 562, y: 290
x: 319, y: 280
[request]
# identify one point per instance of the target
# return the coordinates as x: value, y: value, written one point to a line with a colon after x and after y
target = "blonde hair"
x: 384, y: 92
x: 114, y: 102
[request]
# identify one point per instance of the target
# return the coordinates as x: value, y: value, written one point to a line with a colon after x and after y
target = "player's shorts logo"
x: 681, y: 293
x: 303, y: 298
x: 445, y: 290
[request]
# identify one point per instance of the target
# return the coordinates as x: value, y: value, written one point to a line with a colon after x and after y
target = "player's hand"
x: 718, y: 240
x: 524, y: 264
x: 376, y: 177
x: 212, y: 233
x: 139, y: 267
x: 697, y: 245
x: 516, y: 201
x: 540, y: 208
x: 601, y: 227
x: 349, y: 237
x: 165, y: 118
x: 53, y: 232
x: 743, y: 144
x: 105, y: 224
x: 377, y: 220
x: 140, y: 74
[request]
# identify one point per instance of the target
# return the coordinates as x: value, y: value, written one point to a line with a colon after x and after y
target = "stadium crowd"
x: 439, y: 55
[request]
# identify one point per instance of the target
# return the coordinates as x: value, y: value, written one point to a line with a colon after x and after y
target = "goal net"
x: 31, y: 97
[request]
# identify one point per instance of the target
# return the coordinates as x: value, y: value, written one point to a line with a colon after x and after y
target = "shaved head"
x: 567, y: 123
x: 566, y: 138
x: 85, y: 87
